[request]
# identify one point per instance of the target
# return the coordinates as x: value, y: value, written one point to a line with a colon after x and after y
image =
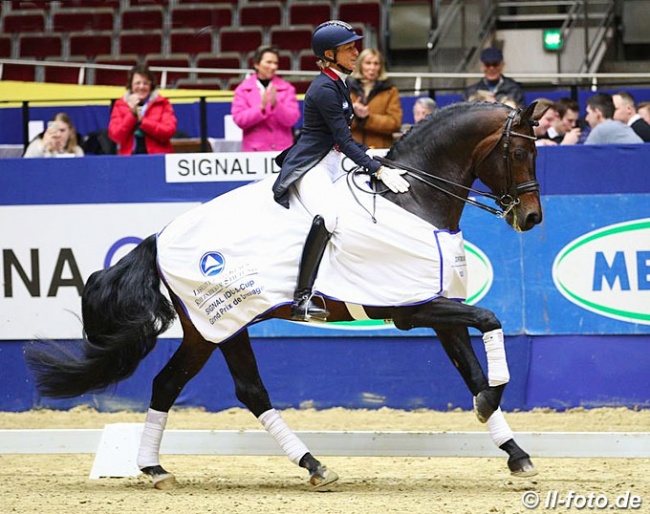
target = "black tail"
x: 124, y: 312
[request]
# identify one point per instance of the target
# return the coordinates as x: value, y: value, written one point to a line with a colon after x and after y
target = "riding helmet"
x: 331, y: 34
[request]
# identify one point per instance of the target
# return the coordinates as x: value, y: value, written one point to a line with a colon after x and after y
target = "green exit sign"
x: 553, y: 39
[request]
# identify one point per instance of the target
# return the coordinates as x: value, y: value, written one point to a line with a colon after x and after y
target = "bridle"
x: 507, y: 201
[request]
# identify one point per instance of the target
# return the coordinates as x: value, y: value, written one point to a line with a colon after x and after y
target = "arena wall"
x: 573, y: 294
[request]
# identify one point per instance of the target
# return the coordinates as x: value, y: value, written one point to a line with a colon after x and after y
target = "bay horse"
x: 124, y: 309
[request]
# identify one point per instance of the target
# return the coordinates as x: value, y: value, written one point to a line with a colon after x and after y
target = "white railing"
x: 592, y: 80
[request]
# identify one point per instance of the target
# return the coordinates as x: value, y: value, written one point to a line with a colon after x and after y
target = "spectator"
x: 493, y: 80
x: 604, y: 129
x: 644, y: 111
x: 142, y: 121
x: 482, y: 95
x: 422, y: 107
x: 565, y: 131
x: 265, y: 106
x: 547, y: 120
x: 59, y: 140
x: 625, y: 111
x: 376, y: 103
x: 509, y: 101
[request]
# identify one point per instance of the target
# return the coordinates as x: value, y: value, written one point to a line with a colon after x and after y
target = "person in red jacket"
x: 142, y: 121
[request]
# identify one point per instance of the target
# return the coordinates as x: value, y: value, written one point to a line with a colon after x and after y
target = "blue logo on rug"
x: 212, y: 263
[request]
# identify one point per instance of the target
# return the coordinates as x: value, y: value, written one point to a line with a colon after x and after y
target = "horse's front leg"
x: 457, y: 345
x: 251, y: 392
x: 188, y: 360
x: 450, y: 319
x: 450, y: 323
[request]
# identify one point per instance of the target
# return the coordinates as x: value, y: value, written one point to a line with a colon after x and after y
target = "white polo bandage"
x: 283, y: 435
x: 497, y: 364
x: 499, y: 429
x: 154, y: 426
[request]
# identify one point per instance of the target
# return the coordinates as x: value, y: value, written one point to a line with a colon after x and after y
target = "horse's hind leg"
x: 251, y: 392
x: 188, y: 360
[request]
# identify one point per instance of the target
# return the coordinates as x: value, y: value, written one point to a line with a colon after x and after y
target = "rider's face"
x: 346, y: 55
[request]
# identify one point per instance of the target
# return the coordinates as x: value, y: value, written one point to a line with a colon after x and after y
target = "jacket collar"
x: 335, y: 75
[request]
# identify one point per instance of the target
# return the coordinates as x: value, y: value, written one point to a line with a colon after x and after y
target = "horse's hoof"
x: 522, y: 468
x: 321, y: 478
x: 482, y: 407
x: 162, y: 480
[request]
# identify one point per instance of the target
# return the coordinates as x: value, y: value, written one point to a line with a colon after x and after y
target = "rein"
x: 506, y: 201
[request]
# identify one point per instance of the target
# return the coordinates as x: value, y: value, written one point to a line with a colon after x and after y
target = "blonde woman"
x: 377, y: 108
x: 59, y: 140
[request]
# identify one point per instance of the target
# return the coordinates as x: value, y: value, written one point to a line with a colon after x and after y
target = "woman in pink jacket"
x: 265, y: 106
x: 143, y: 121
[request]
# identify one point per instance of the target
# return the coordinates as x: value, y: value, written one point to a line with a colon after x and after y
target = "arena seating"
x: 159, y: 31
x: 309, y: 13
x: 90, y: 45
x: 144, y: 18
x: 171, y: 61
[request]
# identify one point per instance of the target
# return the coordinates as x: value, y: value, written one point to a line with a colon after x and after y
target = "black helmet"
x: 331, y: 34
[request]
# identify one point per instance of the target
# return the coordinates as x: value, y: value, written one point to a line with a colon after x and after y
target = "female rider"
x: 325, y: 135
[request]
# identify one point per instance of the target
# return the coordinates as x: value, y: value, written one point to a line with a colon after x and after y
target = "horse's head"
x: 505, y: 162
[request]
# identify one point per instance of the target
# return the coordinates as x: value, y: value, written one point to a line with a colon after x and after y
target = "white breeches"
x: 316, y: 192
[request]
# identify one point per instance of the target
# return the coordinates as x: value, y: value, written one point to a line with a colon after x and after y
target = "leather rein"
x: 507, y: 201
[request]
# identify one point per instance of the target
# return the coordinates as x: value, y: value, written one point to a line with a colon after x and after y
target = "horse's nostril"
x: 533, y: 218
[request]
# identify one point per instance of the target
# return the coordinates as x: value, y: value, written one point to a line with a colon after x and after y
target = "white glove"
x: 393, y: 180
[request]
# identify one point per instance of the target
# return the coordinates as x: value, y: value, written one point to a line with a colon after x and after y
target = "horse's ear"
x: 531, y: 114
x: 535, y: 111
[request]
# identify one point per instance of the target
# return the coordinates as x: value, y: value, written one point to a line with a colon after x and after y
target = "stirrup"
x: 304, y: 309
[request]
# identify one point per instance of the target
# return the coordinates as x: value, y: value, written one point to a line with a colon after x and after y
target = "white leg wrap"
x: 154, y: 426
x: 498, y: 373
x: 283, y: 435
x: 499, y: 429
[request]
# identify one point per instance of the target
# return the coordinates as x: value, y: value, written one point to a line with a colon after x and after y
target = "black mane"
x: 442, y: 124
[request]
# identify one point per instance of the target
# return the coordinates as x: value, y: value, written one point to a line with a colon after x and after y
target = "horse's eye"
x: 521, y: 154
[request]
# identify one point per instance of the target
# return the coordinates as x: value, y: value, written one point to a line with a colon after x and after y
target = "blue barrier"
x: 568, y: 344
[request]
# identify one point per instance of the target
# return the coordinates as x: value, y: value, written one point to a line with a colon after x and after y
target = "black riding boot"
x: 315, y: 244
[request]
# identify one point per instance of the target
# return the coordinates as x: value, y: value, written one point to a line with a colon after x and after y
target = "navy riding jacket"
x: 327, y: 114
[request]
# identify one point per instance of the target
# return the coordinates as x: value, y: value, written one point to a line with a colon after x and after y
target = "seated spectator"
x: 376, y: 103
x: 644, y: 111
x: 509, y: 101
x: 494, y: 81
x: 59, y: 140
x: 547, y: 120
x: 482, y: 95
x: 265, y: 106
x: 625, y: 111
x: 142, y: 121
x: 422, y: 107
x: 604, y: 129
x: 565, y: 131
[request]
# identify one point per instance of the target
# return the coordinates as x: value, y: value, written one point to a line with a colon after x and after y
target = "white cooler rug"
x: 236, y: 257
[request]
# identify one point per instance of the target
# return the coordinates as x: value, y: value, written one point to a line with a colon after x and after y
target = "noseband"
x: 507, y: 201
